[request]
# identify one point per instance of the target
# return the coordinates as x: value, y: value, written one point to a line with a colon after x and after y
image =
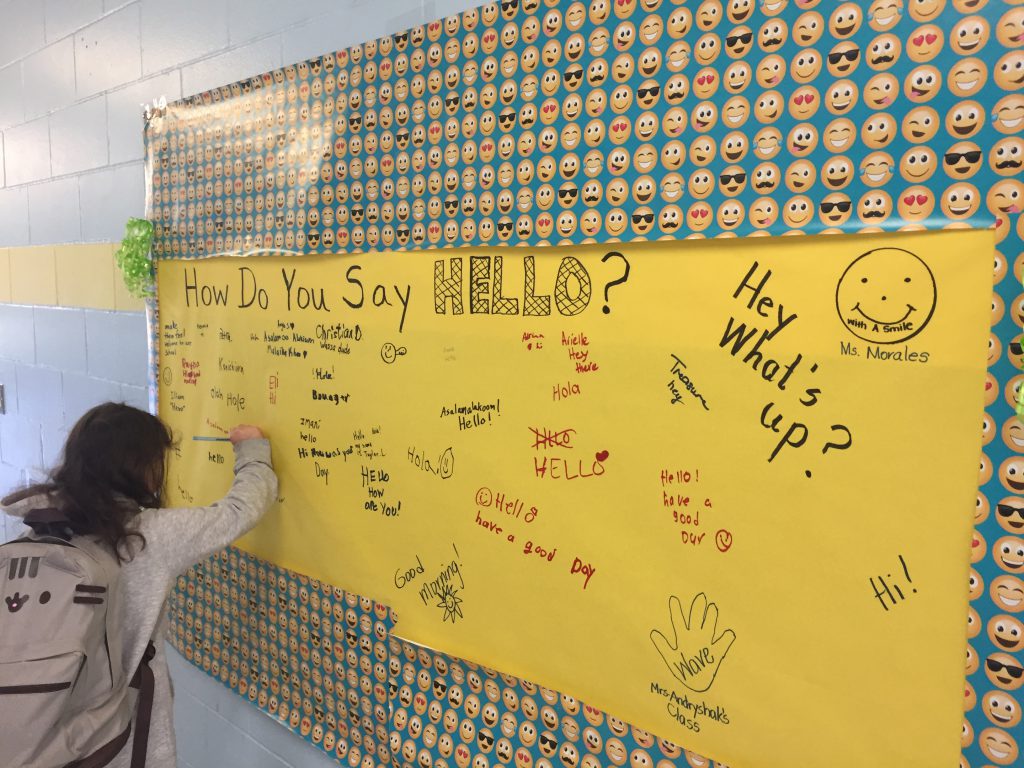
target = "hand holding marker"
x: 234, y: 436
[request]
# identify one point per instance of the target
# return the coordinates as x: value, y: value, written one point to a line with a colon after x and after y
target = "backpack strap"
x: 49, y: 522
x: 45, y: 515
x: 104, y: 754
x: 144, y: 681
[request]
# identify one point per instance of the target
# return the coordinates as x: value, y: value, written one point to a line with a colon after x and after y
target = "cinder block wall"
x: 73, y: 77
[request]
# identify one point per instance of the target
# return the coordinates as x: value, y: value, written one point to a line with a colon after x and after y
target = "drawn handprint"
x: 694, y: 653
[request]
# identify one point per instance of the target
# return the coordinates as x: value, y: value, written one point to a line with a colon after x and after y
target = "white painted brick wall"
x: 73, y: 150
x: 27, y: 152
x: 108, y: 53
x: 53, y: 211
x: 48, y: 77
x: 73, y: 77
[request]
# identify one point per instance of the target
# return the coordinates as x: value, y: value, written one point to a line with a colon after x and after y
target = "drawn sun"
x: 451, y: 603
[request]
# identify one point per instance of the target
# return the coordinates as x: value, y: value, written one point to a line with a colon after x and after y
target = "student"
x: 108, y: 487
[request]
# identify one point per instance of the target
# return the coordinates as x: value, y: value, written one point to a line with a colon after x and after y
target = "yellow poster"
x: 721, y: 490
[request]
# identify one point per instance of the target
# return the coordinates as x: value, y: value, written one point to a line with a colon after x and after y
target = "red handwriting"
x: 546, y: 438
x: 576, y: 345
x: 588, y: 570
x: 560, y: 468
x: 564, y: 391
x: 513, y: 507
x: 669, y: 476
x: 533, y: 340
x: 216, y: 426
x: 534, y: 550
x: 190, y: 371
x: 682, y: 514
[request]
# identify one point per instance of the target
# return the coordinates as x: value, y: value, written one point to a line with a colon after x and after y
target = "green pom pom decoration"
x: 133, y: 258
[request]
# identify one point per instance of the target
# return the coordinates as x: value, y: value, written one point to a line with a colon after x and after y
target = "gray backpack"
x: 65, y: 701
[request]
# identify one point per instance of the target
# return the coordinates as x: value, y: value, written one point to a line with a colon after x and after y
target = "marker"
x: 212, y: 439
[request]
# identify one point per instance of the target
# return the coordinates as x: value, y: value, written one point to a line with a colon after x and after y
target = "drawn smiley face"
x: 886, y: 296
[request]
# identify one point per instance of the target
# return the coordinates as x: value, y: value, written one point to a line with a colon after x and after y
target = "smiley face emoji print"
x: 886, y: 296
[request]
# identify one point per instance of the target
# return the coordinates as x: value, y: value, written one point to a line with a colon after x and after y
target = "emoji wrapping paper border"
x: 535, y: 123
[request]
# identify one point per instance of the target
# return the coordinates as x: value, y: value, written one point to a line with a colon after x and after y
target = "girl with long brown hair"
x: 108, y: 488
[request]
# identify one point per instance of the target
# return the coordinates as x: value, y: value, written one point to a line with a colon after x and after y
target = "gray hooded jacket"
x: 175, y: 540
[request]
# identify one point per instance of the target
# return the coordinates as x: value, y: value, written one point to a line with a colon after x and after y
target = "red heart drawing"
x: 601, y: 455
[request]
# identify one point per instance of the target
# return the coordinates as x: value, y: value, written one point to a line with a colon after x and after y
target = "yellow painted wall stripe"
x: 72, y: 275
